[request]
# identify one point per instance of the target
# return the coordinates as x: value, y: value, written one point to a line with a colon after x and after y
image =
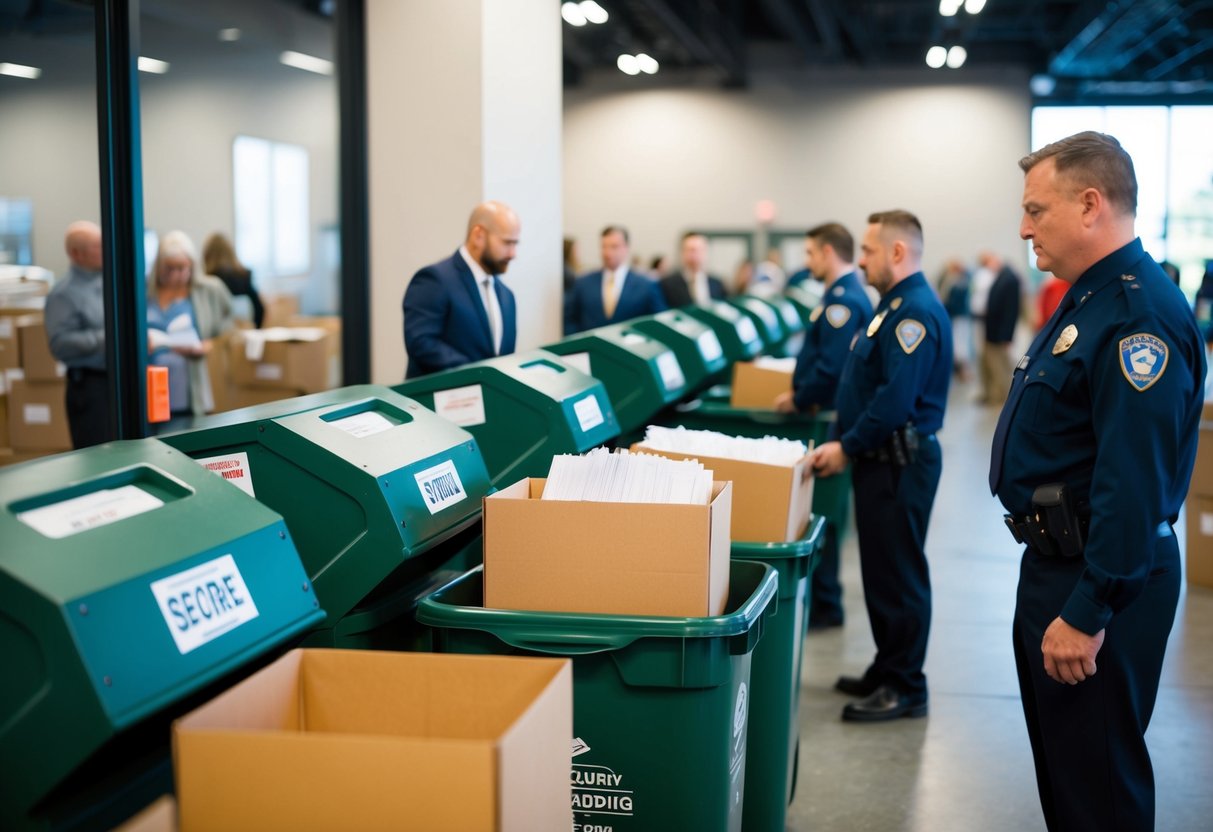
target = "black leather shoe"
x: 884, y: 703
x: 855, y: 686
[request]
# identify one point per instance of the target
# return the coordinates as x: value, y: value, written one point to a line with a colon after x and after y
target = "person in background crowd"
x: 75, y: 328
x: 1091, y: 458
x: 219, y: 258
x: 692, y: 284
x: 659, y: 266
x: 612, y: 294
x: 1002, y: 314
x: 1048, y: 297
x: 570, y: 262
x: 769, y: 277
x: 186, y: 312
x: 954, y: 291
x: 457, y: 310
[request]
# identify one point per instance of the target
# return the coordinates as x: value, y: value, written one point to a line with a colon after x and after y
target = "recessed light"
x: 308, y: 62
x: 20, y: 71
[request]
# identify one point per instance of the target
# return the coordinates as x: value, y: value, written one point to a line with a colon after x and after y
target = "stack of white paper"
x: 769, y: 450
x: 179, y: 334
x: 622, y: 477
x: 783, y: 365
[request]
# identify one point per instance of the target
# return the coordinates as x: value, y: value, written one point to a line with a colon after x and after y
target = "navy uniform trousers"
x: 892, y: 508
x: 1110, y: 710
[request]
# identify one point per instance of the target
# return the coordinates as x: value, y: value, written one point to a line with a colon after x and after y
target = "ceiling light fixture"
x: 936, y: 56
x: 572, y: 14
x: 647, y: 64
x: 20, y: 71
x: 948, y: 8
x: 1042, y: 85
x: 957, y: 56
x: 628, y: 65
x: 974, y: 6
x: 152, y: 65
x: 307, y: 62
x: 229, y: 35
x: 593, y: 12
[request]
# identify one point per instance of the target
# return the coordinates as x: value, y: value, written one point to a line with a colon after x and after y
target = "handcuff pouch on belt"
x: 900, y: 449
x: 1054, y: 528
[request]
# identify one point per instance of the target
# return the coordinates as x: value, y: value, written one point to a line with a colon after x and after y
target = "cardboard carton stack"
x: 282, y: 362
x: 33, y: 413
x: 1199, y: 507
x: 756, y: 383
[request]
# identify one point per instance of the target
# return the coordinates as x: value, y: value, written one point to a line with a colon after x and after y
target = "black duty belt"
x: 78, y: 374
x: 1032, y: 532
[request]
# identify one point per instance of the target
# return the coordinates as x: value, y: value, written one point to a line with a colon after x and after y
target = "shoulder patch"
x: 910, y: 333
x: 815, y: 314
x: 1143, y: 359
x: 837, y: 314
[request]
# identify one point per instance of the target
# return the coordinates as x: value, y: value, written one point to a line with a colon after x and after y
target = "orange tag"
x: 158, y: 409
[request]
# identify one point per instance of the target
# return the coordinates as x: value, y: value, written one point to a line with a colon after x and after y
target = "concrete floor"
x: 968, y: 765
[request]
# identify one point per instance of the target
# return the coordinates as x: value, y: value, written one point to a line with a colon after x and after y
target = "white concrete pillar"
x: 464, y: 100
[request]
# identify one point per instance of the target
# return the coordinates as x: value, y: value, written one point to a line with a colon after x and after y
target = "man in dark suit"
x: 1002, y: 313
x: 613, y: 294
x: 457, y: 310
x: 692, y: 284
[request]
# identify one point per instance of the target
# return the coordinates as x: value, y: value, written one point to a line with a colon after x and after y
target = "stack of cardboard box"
x: 33, y: 413
x: 1199, y: 507
x: 757, y: 383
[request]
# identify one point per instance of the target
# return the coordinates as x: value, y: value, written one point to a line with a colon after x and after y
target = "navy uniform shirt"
x: 1107, y: 401
x: 844, y: 310
x: 898, y: 370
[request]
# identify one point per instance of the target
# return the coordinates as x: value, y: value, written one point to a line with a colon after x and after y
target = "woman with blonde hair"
x: 219, y: 258
x: 186, y: 312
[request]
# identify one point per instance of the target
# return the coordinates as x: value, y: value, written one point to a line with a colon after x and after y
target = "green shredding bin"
x: 736, y: 330
x: 694, y: 344
x: 523, y: 409
x: 132, y: 582
x: 382, y: 496
x: 766, y: 321
x: 774, y: 733
x: 804, y: 300
x: 660, y: 705
x: 642, y: 376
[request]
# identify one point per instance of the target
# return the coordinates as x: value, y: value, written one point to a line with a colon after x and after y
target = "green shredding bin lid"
x: 804, y: 300
x: 694, y: 343
x: 366, y: 479
x: 130, y: 577
x: 523, y: 409
x: 766, y: 320
x: 737, y: 332
x: 641, y: 374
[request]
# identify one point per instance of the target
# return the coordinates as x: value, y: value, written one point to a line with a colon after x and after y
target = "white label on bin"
x: 589, y: 414
x: 203, y: 603
x: 440, y: 486
x: 709, y: 346
x: 268, y: 372
x: 367, y: 423
x: 671, y: 372
x: 233, y: 468
x: 36, y: 414
x: 747, y: 330
x: 579, y: 361
x: 767, y: 314
x: 633, y: 340
x: 1206, y: 523
x: 599, y: 790
x: 464, y: 406
x: 79, y: 514
x: 791, y: 317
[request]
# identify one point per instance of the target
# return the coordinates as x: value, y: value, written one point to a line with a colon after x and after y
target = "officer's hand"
x: 1069, y: 653
x: 784, y: 402
x: 829, y: 459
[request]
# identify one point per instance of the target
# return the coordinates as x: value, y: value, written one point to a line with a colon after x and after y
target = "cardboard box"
x: 1199, y: 511
x: 279, y: 309
x: 160, y: 816
x: 771, y: 503
x: 4, y: 420
x: 1202, y: 472
x: 618, y: 558
x: 357, y: 739
x: 10, y: 338
x: 301, y: 366
x: 38, y: 416
x: 756, y: 387
x: 329, y: 323
x: 10, y: 457
x: 36, y: 358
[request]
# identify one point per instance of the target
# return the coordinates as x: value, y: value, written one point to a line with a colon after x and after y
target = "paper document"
x: 623, y: 477
x: 769, y: 450
x: 179, y: 334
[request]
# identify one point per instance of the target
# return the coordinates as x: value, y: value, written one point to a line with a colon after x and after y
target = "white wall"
x: 829, y: 146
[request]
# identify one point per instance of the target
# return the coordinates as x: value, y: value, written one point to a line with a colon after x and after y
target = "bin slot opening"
x: 542, y: 365
x: 367, y: 418
x: 100, y: 501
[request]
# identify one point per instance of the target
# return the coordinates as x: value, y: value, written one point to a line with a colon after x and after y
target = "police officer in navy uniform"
x: 1091, y: 459
x: 844, y: 311
x: 891, y: 401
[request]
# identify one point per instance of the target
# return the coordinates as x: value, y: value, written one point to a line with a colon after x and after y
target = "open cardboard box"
x: 356, y: 739
x: 755, y: 387
x: 771, y: 503
x: 616, y: 558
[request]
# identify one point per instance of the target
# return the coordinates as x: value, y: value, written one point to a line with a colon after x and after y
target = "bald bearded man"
x: 457, y: 310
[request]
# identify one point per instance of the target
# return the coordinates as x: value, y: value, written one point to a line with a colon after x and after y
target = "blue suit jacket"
x: 445, y: 324
x: 583, y: 303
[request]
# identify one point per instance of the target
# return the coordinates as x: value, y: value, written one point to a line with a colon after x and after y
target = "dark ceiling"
x: 1090, y: 49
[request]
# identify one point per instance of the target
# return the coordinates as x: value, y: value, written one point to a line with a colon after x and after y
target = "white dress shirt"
x: 488, y: 297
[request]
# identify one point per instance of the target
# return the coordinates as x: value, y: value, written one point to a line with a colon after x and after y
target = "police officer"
x: 891, y: 401
x: 1091, y: 458
x: 845, y: 311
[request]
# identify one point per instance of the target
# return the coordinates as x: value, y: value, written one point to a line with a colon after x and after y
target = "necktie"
x: 608, y: 293
x: 493, y: 310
